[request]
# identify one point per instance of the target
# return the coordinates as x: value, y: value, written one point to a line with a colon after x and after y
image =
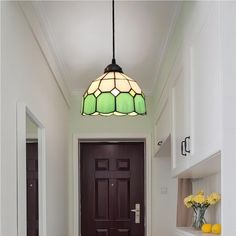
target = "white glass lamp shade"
x: 113, y: 93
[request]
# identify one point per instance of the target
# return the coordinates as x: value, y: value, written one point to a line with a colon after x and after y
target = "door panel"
x: 112, y: 182
x: 101, y: 196
x: 123, y: 232
x: 101, y: 232
x: 123, y: 197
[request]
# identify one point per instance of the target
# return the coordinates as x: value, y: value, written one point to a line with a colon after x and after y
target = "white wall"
x: 228, y: 169
x: 180, y: 32
x: 26, y: 77
x: 164, y: 204
x: 0, y: 123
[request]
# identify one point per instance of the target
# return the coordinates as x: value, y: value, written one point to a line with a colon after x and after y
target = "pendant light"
x: 113, y: 93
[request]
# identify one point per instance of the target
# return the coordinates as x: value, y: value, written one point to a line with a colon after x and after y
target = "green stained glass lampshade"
x: 113, y: 93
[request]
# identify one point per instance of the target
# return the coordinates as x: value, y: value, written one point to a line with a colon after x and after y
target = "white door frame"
x: 22, y: 111
x: 99, y: 137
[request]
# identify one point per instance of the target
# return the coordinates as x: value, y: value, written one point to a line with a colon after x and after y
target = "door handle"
x: 159, y: 143
x: 183, y: 146
x: 137, y: 213
x: 187, y: 144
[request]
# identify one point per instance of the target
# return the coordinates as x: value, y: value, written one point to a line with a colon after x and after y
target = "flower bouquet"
x: 200, y: 203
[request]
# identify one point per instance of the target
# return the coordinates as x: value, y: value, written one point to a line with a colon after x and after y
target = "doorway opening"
x: 31, y: 173
x: 145, y: 139
x: 32, y: 198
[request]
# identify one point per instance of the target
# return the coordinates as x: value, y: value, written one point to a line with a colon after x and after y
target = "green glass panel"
x: 106, y: 103
x: 140, y: 107
x: 124, y: 103
x: 89, y: 105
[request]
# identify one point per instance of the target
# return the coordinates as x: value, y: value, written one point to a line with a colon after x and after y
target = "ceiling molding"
x: 36, y: 20
x: 166, y: 43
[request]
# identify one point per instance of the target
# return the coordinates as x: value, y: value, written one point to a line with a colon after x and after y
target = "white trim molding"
x: 146, y: 138
x: 22, y: 112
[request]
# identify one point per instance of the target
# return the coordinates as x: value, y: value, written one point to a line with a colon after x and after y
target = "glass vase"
x: 199, y: 219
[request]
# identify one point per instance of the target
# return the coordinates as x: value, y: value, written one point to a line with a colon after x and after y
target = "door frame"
x: 22, y: 111
x: 101, y: 137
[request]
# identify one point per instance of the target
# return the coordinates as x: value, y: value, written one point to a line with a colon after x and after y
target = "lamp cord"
x: 113, y: 31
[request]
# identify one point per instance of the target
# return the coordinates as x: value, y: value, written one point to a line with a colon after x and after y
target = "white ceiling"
x: 79, y: 35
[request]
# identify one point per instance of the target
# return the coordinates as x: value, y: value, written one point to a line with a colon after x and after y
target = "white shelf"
x: 165, y: 149
x: 192, y: 232
x: 207, y: 167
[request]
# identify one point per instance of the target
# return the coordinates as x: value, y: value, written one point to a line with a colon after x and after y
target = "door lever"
x: 137, y: 213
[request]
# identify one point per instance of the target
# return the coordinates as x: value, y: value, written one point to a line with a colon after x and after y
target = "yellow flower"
x: 200, y: 192
x: 213, y: 198
x: 188, y: 201
x: 199, y: 198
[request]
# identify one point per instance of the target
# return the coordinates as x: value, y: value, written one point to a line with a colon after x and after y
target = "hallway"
x: 181, y: 55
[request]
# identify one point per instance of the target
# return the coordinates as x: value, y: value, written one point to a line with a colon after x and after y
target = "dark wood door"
x: 32, y: 189
x: 112, y: 183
